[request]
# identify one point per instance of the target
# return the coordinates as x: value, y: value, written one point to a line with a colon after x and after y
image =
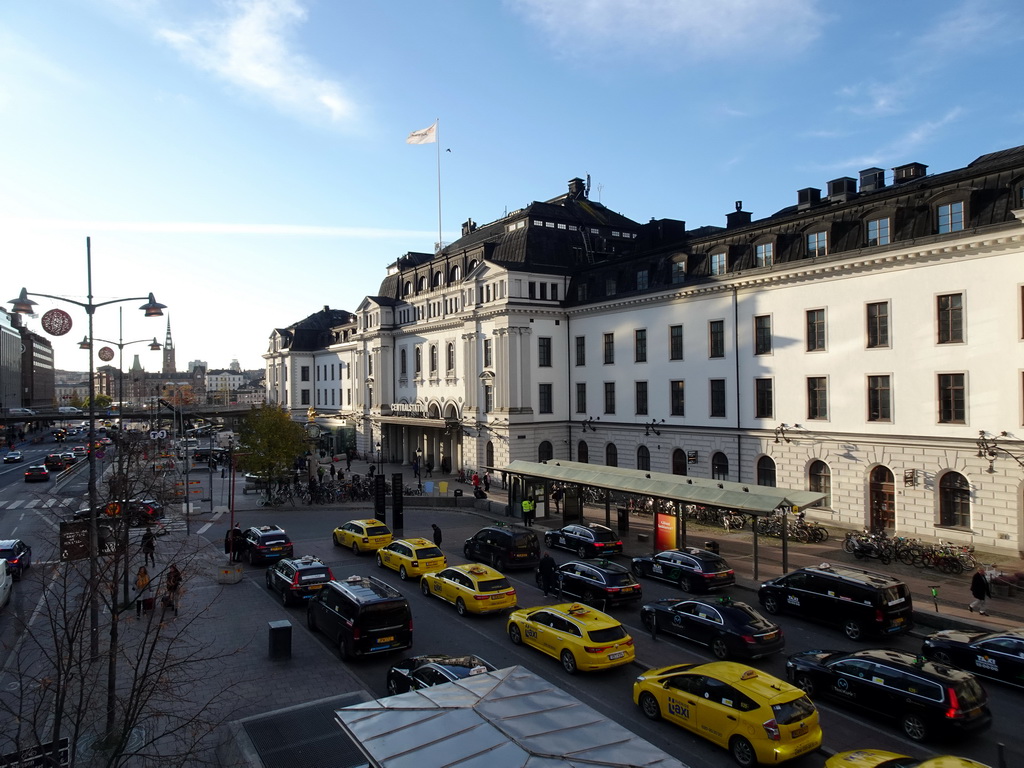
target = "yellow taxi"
x: 362, y: 535
x: 879, y: 758
x: 411, y: 557
x: 470, y: 588
x: 757, y: 717
x: 580, y: 637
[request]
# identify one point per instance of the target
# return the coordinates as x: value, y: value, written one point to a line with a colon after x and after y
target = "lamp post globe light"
x: 24, y: 305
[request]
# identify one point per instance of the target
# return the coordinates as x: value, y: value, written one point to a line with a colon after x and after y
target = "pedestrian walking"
x: 141, y: 587
x: 475, y: 480
x: 981, y: 591
x: 237, y: 543
x: 172, y: 583
x: 348, y: 461
x: 487, y: 481
x: 556, y: 496
x: 334, y: 473
x: 320, y: 474
x: 149, y: 547
x: 430, y: 468
x: 437, y: 534
x: 547, y: 573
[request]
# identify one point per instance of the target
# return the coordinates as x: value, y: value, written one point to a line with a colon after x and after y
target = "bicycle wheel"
x: 820, y: 533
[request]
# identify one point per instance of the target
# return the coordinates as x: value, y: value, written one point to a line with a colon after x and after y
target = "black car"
x: 299, y: 579
x: 691, y: 569
x: 18, y: 555
x: 999, y: 655
x: 12, y: 457
x: 730, y: 628
x: 928, y: 699
x: 418, y: 672
x: 141, y: 512
x: 504, y: 547
x: 596, y: 583
x: 362, y: 615
x: 591, y: 540
x: 265, y: 543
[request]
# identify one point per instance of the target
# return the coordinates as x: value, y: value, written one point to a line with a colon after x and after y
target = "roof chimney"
x: 577, y: 189
x: 468, y: 226
x: 805, y: 198
x: 909, y: 172
x: 872, y: 179
x: 737, y: 218
x: 841, y: 190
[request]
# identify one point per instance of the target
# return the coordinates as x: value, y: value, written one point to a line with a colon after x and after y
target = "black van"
x: 860, y: 602
x: 363, y: 615
x: 503, y: 547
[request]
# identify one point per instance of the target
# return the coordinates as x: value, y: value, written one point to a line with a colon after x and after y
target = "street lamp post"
x: 24, y: 305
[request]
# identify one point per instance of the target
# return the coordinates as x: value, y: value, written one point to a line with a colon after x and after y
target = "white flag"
x: 423, y: 136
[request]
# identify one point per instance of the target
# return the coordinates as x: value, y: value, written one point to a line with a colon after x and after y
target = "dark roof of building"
x: 313, y: 332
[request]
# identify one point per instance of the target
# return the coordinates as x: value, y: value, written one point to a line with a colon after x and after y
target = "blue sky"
x: 246, y: 160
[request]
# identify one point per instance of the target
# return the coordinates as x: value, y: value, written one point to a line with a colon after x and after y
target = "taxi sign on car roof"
x: 476, y: 570
x: 750, y: 674
x: 578, y: 610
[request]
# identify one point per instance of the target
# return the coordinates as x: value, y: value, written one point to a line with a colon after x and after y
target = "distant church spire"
x: 170, y: 366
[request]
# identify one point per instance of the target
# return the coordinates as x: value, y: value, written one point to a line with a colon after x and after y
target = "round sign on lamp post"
x: 106, y: 354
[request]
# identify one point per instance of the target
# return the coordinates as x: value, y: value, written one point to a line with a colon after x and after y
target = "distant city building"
x: 193, y: 364
x: 10, y: 361
x: 221, y: 385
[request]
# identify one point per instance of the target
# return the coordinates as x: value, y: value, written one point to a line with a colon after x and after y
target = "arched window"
x: 407, y: 288
x: 719, y: 466
x: 882, y: 498
x: 678, y: 462
x: 643, y: 458
x: 402, y: 363
x: 472, y: 264
x: 454, y: 274
x: 819, y: 480
x: 611, y: 455
x: 450, y: 357
x: 545, y: 451
x: 766, y: 471
x: 419, y: 361
x: 954, y: 501
x: 433, y: 358
x: 422, y: 283
x: 438, y: 279
x: 489, y: 454
x: 583, y: 452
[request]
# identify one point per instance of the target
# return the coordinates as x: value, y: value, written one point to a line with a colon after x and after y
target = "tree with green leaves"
x: 271, y: 442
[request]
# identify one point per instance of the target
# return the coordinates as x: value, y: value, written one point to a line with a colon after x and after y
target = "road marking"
x: 32, y: 504
x: 16, y: 504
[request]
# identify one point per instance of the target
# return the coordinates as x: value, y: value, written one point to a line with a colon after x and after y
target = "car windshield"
x: 607, y: 634
x: 619, y: 579
x: 793, y: 711
x: 603, y: 534
x: 377, y: 530
x: 424, y: 553
x: 492, y: 585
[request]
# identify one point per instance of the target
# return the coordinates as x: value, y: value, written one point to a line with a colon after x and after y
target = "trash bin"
x: 711, y: 546
x: 280, y: 639
x: 457, y: 492
x: 623, y: 519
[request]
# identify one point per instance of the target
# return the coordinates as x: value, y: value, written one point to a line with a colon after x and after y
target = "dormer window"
x: 719, y: 263
x: 817, y: 244
x: 878, y: 232
x: 764, y: 254
x: 679, y: 271
x: 951, y: 217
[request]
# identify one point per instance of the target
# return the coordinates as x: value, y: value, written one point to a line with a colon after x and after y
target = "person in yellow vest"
x: 529, y: 507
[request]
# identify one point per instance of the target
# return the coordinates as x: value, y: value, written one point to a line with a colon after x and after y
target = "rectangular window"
x: 878, y: 325
x: 817, y: 397
x: 544, y: 398
x: 554, y: 291
x: 764, y: 405
x: 678, y: 272
x: 817, y: 244
x: 544, y: 351
x: 640, y: 345
x: 879, y: 399
x: 951, y: 318
x: 641, y: 280
x: 675, y: 342
x: 717, y: 398
x: 304, y: 373
x: 582, y: 292
x: 951, y: 218
x: 531, y: 288
x: 488, y: 360
x: 488, y: 398
x: 609, y: 397
x: 878, y: 232
x: 609, y: 286
x: 544, y: 290
x: 581, y: 397
x: 951, y: 399
x: 677, y: 397
x: 763, y: 335
x: 816, y: 330
x: 581, y: 350
x: 609, y: 348
x: 718, y: 263
x: 641, y: 398
x: 716, y: 338
x: 304, y: 397
x: 764, y: 254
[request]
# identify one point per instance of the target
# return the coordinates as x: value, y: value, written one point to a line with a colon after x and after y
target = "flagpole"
x: 437, y: 122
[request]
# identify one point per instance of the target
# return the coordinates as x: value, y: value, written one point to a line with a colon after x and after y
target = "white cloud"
x: 250, y: 48
x: 717, y: 29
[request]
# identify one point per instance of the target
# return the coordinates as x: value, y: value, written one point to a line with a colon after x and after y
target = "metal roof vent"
x: 841, y: 190
x: 872, y: 179
x: 805, y: 198
x: 909, y: 172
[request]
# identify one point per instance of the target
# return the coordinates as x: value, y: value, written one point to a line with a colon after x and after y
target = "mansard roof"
x: 313, y: 332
